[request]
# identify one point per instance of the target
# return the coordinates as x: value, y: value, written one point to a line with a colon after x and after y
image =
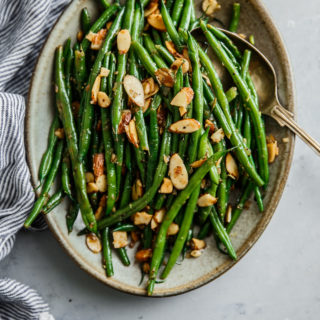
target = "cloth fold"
x: 24, y: 26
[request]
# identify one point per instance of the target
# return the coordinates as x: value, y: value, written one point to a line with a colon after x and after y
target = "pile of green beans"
x: 112, y: 178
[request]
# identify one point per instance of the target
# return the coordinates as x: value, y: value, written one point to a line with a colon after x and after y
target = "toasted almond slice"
x: 144, y: 255
x: 161, y: 117
x: 146, y: 268
x: 183, y: 98
x: 89, y: 177
x: 125, y: 119
x: 166, y: 187
x: 197, y: 244
x: 147, y: 104
x: 203, y: 184
x: 93, y: 243
x: 159, y: 215
x: 123, y: 41
x: 120, y: 239
x: 98, y: 164
x: 198, y: 163
x: 171, y: 48
x: 184, y: 63
x: 178, y: 172
x: 155, y: 21
x: 95, y: 90
x: 205, y: 77
x: 232, y: 166
x: 104, y: 72
x: 153, y: 224
x: 59, y: 133
x: 101, y: 183
x: 150, y: 88
x: 90, y: 36
x: 173, y: 229
x: 217, y: 136
x: 80, y: 35
x: 209, y: 7
x: 103, y: 100
x: 182, y: 111
x: 134, y: 238
x: 100, y: 211
x: 137, y: 190
x: 108, y: 25
x: 165, y: 77
x: 206, y: 200
x: 273, y: 151
x: 185, y: 54
x: 134, y: 89
x: 97, y: 39
x: 140, y: 218
x: 229, y: 214
x: 210, y: 124
x: 196, y: 253
x: 185, y: 126
x: 132, y: 134
x: 152, y: 8
x: 92, y: 188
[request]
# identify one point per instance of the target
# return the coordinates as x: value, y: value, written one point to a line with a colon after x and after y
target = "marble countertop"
x: 278, y: 279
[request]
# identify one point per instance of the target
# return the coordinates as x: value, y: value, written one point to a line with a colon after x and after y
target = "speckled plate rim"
x: 258, y: 230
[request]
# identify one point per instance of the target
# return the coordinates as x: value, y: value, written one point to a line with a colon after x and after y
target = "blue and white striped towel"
x: 24, y: 25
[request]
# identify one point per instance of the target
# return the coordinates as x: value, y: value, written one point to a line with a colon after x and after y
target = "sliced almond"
x: 209, y: 124
x: 196, y: 253
x: 124, y: 122
x: 93, y: 243
x: 134, y: 89
x: 90, y: 36
x: 173, y: 229
x: 185, y: 54
x: 206, y: 200
x: 151, y: 8
x: 198, y: 163
x: 185, y: 126
x: 150, y: 88
x: 98, y: 164
x: 104, y: 72
x: 209, y: 7
x: 92, y: 188
x: 159, y: 215
x: 178, y: 172
x: 100, y: 211
x: 171, y: 48
x: 153, y: 224
x: 182, y: 111
x: 89, y: 177
x: 132, y: 134
x: 109, y: 24
x: 59, y: 133
x: 206, y: 78
x: 97, y: 39
x: 142, y: 218
x: 101, y: 183
x: 144, y: 255
x: 155, y: 20
x: 197, y: 244
x: 166, y: 187
x: 147, y: 104
x: 120, y: 239
x: 229, y: 214
x: 273, y: 151
x: 123, y: 41
x: 95, y: 90
x: 183, y: 98
x: 137, y: 190
x: 165, y: 77
x: 232, y: 167
x: 217, y: 136
x: 103, y: 100
x: 180, y: 62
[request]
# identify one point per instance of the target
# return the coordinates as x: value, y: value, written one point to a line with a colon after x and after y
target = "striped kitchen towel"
x: 24, y: 25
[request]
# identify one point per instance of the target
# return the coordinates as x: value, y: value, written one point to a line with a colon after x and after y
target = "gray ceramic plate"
x: 192, y: 273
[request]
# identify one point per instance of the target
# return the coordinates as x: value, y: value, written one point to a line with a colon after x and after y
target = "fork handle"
x: 285, y: 118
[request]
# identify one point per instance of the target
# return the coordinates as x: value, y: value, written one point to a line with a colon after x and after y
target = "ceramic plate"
x: 192, y: 273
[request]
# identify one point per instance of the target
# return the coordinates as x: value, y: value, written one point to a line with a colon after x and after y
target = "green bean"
x: 126, y: 227
x: 139, y: 204
x: 100, y: 23
x: 72, y: 214
x: 166, y: 55
x: 68, y: 62
x: 197, y: 85
x: 66, y: 174
x: 44, y: 196
x: 159, y: 201
x: 170, y: 26
x: 85, y: 20
x: 140, y: 160
x: 53, y: 201
x: 156, y: 37
x: 171, y: 214
x: 222, y: 233
x: 47, y: 157
x: 251, y: 39
x: 231, y: 94
x: 105, y: 4
x: 231, y: 56
x: 204, y: 231
x: 144, y: 3
x: 193, y: 13
x: 252, y: 105
x: 235, y: 17
x: 126, y: 191
x: 186, y: 15
x: 149, y: 45
x: 66, y: 116
x: 80, y: 70
x: 177, y: 11
x: 245, y: 63
x: 145, y: 58
x: 155, y: 103
x: 189, y: 237
x: 106, y: 252
x: 88, y: 108
x: 169, y: 4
